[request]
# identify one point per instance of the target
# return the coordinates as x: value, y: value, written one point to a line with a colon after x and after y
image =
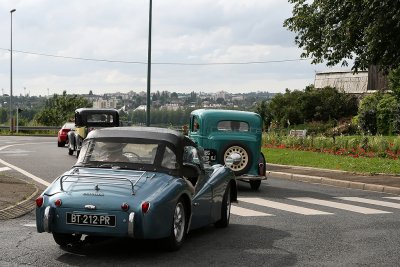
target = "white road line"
x: 29, y: 225
x: 338, y: 205
x: 247, y: 212
x: 30, y: 175
x: 282, y: 206
x: 3, y: 169
x: 395, y: 198
x: 373, y: 202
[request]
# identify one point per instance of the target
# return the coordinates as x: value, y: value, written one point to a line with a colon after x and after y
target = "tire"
x: 246, y: 157
x: 179, y: 227
x: 71, y: 150
x: 225, y: 209
x: 263, y: 170
x: 64, y: 240
x: 60, y: 144
x: 255, y: 184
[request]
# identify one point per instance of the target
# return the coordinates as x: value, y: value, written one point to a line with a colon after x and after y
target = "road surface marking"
x: 282, y: 206
x: 338, y: 205
x: 395, y: 198
x: 373, y: 202
x: 29, y: 225
x: 247, y: 212
x: 30, y: 175
x: 3, y: 169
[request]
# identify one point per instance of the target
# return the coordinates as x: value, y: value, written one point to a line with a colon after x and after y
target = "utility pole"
x: 149, y: 68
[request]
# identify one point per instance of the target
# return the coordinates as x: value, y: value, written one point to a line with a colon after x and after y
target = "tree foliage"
x: 379, y: 113
x: 312, y: 104
x: 59, y: 109
x: 263, y: 111
x: 394, y: 82
x: 338, y: 30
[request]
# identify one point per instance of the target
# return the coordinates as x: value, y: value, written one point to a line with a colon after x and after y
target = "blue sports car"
x: 137, y: 182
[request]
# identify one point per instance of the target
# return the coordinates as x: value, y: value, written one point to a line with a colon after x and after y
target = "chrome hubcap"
x: 244, y: 157
x: 179, y: 222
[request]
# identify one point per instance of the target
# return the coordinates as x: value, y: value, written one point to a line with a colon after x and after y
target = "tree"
x: 367, y: 113
x: 385, y: 114
x: 262, y: 110
x: 394, y: 82
x: 59, y: 109
x: 311, y: 105
x: 338, y: 30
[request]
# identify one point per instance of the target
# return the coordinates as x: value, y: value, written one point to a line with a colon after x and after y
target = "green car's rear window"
x: 238, y: 126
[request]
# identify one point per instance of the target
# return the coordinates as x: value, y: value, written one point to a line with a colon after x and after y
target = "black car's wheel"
x: 179, y: 226
x: 65, y: 239
x: 70, y: 150
x: 255, y: 184
x: 60, y: 144
x: 245, y: 157
x: 225, y: 209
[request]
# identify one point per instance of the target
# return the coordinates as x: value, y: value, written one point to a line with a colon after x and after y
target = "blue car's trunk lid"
x: 106, y: 189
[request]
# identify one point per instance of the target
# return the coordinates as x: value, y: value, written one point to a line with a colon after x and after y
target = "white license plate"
x: 91, y: 219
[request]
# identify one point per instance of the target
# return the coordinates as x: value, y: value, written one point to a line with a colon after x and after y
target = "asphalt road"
x: 285, y: 223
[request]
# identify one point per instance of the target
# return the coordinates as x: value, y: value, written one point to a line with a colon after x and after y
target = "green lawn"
x: 328, y: 161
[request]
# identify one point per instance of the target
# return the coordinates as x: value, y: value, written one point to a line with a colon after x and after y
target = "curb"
x: 21, y: 208
x: 337, y: 183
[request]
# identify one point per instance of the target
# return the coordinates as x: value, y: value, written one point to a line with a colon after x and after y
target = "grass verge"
x: 333, y: 162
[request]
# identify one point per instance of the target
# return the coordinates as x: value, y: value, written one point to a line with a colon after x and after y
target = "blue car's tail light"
x: 145, y: 207
x: 124, y: 206
x: 58, y: 202
x: 39, y: 201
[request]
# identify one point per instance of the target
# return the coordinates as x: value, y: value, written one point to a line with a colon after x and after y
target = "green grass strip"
x: 333, y: 162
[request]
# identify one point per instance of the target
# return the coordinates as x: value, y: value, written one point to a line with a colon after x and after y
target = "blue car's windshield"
x: 101, y: 152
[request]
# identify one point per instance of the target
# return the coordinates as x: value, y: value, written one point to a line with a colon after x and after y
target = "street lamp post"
x: 149, y: 69
x: 11, y: 75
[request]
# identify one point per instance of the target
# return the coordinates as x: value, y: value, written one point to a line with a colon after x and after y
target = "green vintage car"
x: 223, y: 133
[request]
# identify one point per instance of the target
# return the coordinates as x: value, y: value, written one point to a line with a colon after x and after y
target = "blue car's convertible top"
x: 144, y: 183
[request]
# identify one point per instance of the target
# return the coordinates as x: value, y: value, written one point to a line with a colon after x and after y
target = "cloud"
x: 196, y: 31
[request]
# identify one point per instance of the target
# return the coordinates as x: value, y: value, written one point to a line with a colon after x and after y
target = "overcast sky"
x: 184, y: 32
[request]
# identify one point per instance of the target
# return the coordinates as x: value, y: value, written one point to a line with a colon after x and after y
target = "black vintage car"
x: 86, y: 120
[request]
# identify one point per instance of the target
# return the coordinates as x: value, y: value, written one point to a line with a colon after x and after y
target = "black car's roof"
x: 97, y: 110
x: 173, y: 137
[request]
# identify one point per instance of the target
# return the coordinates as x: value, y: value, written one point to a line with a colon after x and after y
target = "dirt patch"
x: 14, y: 190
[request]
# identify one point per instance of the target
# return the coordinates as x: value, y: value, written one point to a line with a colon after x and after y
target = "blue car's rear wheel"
x: 179, y: 226
x: 65, y: 239
x: 225, y: 209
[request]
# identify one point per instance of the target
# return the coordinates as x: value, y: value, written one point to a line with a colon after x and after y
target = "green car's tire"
x: 255, y: 184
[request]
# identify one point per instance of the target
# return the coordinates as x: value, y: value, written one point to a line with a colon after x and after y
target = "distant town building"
x: 141, y: 108
x: 173, y: 107
x: 221, y: 94
x: 105, y: 103
x: 237, y: 97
